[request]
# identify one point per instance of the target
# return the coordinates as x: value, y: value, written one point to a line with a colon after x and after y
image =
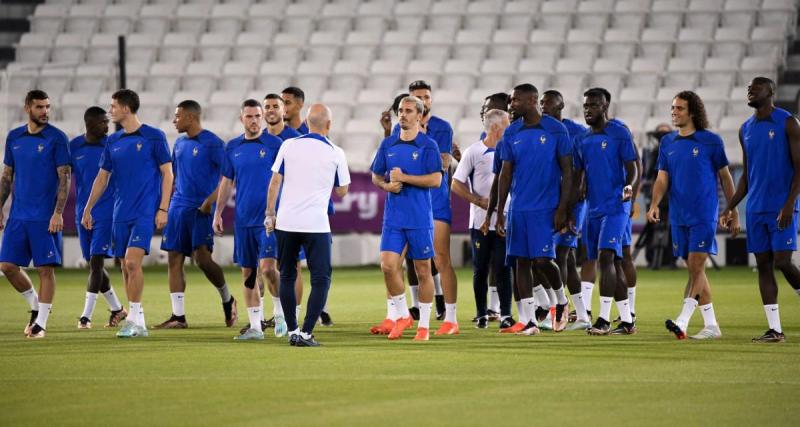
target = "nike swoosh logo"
x: 79, y: 157
x: 237, y: 154
x: 391, y: 154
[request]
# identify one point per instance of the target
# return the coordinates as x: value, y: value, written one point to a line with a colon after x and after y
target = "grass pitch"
x: 200, y: 376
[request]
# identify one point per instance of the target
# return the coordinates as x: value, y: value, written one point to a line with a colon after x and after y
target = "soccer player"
x: 487, y: 249
x: 608, y: 159
x: 248, y: 159
x: 537, y: 171
x: 689, y: 162
x: 293, y: 99
x: 138, y: 157
x: 770, y: 141
x: 552, y: 104
x: 307, y: 168
x: 85, y: 152
x: 197, y: 160
x: 407, y: 166
x: 37, y: 166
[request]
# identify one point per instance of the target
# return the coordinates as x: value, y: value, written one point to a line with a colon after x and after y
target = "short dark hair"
x: 273, y: 96
x: 251, y: 103
x: 93, y: 112
x: 498, y: 97
x: 127, y: 98
x: 396, y: 103
x: 553, y: 92
x: 35, y: 95
x: 765, y: 81
x: 191, y: 106
x: 296, y: 92
x: 418, y: 84
x: 526, y: 88
x: 696, y: 108
x: 599, y: 91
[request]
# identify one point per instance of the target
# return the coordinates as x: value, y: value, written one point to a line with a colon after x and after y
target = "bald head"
x: 319, y: 119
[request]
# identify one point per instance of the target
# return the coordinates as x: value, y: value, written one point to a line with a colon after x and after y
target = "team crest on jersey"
x: 477, y: 245
x: 262, y: 153
x: 138, y: 146
x: 546, y: 248
x: 695, y: 151
x: 195, y: 151
x: 542, y: 139
x: 771, y: 134
x: 603, y: 145
x: 40, y: 148
x: 415, y: 155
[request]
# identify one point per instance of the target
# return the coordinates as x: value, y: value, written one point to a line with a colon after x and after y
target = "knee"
x: 96, y: 263
x: 8, y: 268
x: 132, y: 265
x: 764, y: 264
x: 606, y: 258
x: 783, y: 263
x: 389, y: 267
x: 46, y: 272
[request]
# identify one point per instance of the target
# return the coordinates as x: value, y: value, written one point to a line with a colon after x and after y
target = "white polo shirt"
x: 475, y: 170
x: 311, y: 167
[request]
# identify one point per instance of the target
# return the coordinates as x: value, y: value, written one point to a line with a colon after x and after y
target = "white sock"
x: 88, y: 305
x: 134, y: 309
x: 112, y: 300
x: 32, y: 298
x: 178, y: 307
x: 44, y: 313
x: 325, y: 309
x: 773, y: 317
x: 254, y: 314
x: 580, y: 310
x: 401, y: 306
x: 551, y: 296
x: 587, y: 289
x: 540, y: 294
x: 632, y: 299
x: 561, y: 297
x: 708, y: 315
x: 261, y: 309
x: 605, y: 308
x: 391, y: 313
x: 224, y: 293
x: 519, y: 309
x: 142, y: 323
x: 414, y: 296
x: 624, y: 311
x: 277, y: 308
x: 437, y: 284
x: 494, y: 299
x: 424, y: 315
x: 450, y: 313
x: 527, y: 313
x: 305, y: 335
x: 297, y: 311
x: 689, y: 304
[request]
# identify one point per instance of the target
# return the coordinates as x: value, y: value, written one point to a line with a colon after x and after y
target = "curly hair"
x: 697, y: 110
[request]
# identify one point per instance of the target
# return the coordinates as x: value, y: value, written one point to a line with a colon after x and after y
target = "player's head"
x: 274, y: 109
x: 495, y: 122
x: 396, y: 102
x: 688, y: 108
x: 552, y: 103
x: 37, y: 106
x: 595, y: 105
x: 410, y: 112
x: 251, y: 115
x: 188, y: 112
x: 96, y: 121
x: 760, y: 92
x: 319, y: 119
x: 124, y: 103
x: 524, y: 99
x: 293, y: 100
x: 495, y: 101
x: 422, y: 90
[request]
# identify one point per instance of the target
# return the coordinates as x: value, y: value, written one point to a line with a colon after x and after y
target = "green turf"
x: 200, y: 376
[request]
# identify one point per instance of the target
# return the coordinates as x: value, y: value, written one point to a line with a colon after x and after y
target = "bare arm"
x: 57, y: 220
x: 391, y: 187
x: 224, y: 191
x: 272, y: 194
x: 342, y: 190
x: 793, y: 134
x: 6, y: 181
x: 503, y: 187
x: 726, y: 180
x: 461, y: 190
x: 431, y: 180
x: 98, y: 188
x: 659, y: 188
x: 638, y: 185
x: 446, y: 159
x: 742, y: 187
x: 209, y: 201
x: 167, y: 180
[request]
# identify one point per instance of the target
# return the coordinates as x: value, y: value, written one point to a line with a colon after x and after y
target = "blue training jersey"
x: 769, y: 162
x: 197, y: 165
x: 303, y: 128
x: 575, y: 131
x: 442, y: 133
x: 603, y: 157
x: 134, y: 160
x: 535, y: 152
x: 692, y: 163
x: 85, y: 159
x: 248, y: 162
x: 289, y: 132
x: 35, y: 159
x: 411, y: 208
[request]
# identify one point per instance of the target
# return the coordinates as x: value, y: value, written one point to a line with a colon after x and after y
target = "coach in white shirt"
x: 308, y: 167
x: 475, y: 170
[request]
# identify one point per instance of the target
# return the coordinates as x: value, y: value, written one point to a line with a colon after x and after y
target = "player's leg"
x: 214, y: 274
x: 391, y: 266
x: 318, y: 250
x: 784, y: 243
x: 502, y: 277
x: 252, y: 299
x: 393, y: 241
x: 45, y: 250
x: 701, y: 290
x: 608, y: 287
x: 413, y: 286
x: 22, y: 283
x: 493, y: 307
x: 177, y: 287
x: 481, y: 260
x: 626, y: 325
x: 298, y: 288
x: 764, y: 239
x: 425, y: 280
x: 268, y: 267
x: 288, y: 245
x: 134, y: 287
x: 441, y: 244
x: 527, y: 311
x: 438, y: 292
x: 15, y: 251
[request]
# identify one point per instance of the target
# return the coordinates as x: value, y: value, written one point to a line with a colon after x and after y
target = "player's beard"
x: 754, y: 104
x: 40, y: 121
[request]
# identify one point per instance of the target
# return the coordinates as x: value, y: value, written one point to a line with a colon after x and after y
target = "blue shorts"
x: 570, y: 239
x: 532, y: 234
x: 763, y: 234
x: 96, y: 241
x: 443, y: 212
x: 419, y: 241
x: 694, y: 238
x: 605, y: 232
x: 626, y: 235
x: 133, y: 234
x: 187, y: 229
x: 251, y: 244
x: 24, y: 241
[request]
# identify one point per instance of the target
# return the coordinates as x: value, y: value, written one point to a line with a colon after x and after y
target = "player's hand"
x: 785, y: 216
x: 482, y: 203
x: 485, y: 226
x: 627, y: 193
x: 733, y: 223
x: 87, y: 221
x: 456, y: 152
x: 217, y: 225
x: 2, y: 219
x: 654, y: 215
x: 396, y: 175
x: 500, y: 224
x: 56, y: 223
x: 634, y: 209
x: 161, y: 219
x: 386, y: 121
x: 269, y: 223
x: 394, y: 187
x: 205, y: 208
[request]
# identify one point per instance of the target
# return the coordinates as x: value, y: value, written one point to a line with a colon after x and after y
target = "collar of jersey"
x: 318, y: 137
x: 39, y: 134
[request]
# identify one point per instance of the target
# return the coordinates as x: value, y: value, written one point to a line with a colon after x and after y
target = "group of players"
x: 537, y: 184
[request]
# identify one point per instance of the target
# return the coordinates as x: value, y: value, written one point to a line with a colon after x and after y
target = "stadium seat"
x: 119, y: 18
x: 155, y: 19
x: 92, y: 78
x: 34, y: 48
x: 74, y: 104
x: 48, y: 18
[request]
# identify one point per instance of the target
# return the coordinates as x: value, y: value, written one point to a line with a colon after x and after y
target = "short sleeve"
x: 433, y: 160
x: 161, y: 150
x: 627, y: 149
x: 497, y: 165
x: 227, y: 166
x: 662, y: 164
x: 8, y: 159
x: 379, y: 162
x: 718, y: 157
x: 444, y: 138
x: 465, y: 166
x: 105, y: 158
x: 564, y: 145
x: 218, y: 155
x: 61, y: 151
x: 278, y: 165
x: 506, y: 155
x: 342, y: 170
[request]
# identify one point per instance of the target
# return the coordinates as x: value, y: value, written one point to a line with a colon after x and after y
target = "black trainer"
x: 600, y: 327
x: 675, y: 329
x: 507, y: 322
x: 247, y: 326
x: 440, y: 309
x: 36, y: 331
x: 483, y: 322
x: 293, y: 339
x: 624, y: 328
x: 84, y: 323
x: 325, y: 319
x: 541, y: 314
x: 231, y: 315
x: 770, y: 336
x: 414, y: 312
x: 303, y: 342
x: 493, y: 315
x: 269, y: 323
x: 34, y: 315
